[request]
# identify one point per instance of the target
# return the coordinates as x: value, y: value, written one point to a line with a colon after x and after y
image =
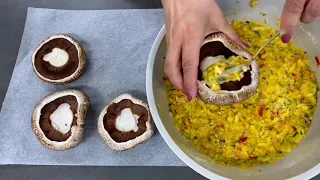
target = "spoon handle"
x: 271, y: 39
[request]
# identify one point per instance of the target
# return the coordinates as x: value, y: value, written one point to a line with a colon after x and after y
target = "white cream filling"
x: 208, y: 61
x: 57, y: 57
x: 127, y: 121
x: 61, y: 118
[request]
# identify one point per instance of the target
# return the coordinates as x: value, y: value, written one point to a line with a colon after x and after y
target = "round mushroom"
x: 217, y: 47
x: 58, y: 119
x: 59, y: 60
x: 125, y: 123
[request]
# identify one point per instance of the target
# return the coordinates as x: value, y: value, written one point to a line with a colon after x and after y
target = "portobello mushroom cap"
x: 59, y: 60
x: 217, y: 44
x: 58, y: 119
x: 125, y: 123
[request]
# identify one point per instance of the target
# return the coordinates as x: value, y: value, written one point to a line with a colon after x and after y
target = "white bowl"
x: 302, y: 163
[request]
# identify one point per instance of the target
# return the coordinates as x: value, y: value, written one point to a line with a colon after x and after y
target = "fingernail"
x: 189, y: 97
x: 285, y: 38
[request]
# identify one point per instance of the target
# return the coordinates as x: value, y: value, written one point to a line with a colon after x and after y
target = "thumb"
x: 290, y: 18
x: 190, y: 63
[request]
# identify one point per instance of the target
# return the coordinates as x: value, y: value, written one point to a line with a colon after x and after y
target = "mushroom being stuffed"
x: 125, y: 123
x: 226, y: 86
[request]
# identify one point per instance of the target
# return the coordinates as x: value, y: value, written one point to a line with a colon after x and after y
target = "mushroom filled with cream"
x: 58, y: 119
x: 125, y: 123
x: 59, y: 59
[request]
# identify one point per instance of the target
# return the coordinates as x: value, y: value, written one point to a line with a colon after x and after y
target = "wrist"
x: 166, y: 3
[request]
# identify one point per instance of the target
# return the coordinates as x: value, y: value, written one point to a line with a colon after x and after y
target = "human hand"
x: 188, y: 22
x: 295, y: 11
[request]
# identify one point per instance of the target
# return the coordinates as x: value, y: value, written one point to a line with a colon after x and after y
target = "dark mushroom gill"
x: 56, y: 73
x: 217, y: 48
x: 45, y: 123
x: 114, y: 111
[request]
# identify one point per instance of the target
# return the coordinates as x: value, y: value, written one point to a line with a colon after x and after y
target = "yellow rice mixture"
x: 265, y: 127
x: 253, y: 3
x: 217, y: 71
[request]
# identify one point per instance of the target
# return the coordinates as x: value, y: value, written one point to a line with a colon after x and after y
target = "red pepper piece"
x: 294, y: 128
x: 261, y: 110
x: 243, y: 139
x: 273, y: 115
x: 317, y: 60
x: 222, y: 126
x: 294, y: 75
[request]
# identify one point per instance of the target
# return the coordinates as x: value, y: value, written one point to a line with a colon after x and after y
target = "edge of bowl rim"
x: 167, y: 138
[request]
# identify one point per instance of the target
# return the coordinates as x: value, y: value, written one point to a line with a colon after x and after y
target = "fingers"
x: 173, y: 64
x: 229, y: 31
x: 190, y: 61
x: 222, y: 25
x: 290, y: 18
x: 311, y: 12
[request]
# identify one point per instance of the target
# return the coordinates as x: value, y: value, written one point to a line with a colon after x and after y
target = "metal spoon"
x: 222, y: 78
x: 269, y: 41
x: 262, y: 47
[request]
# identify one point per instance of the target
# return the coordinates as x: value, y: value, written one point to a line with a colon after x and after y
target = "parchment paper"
x: 117, y: 44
